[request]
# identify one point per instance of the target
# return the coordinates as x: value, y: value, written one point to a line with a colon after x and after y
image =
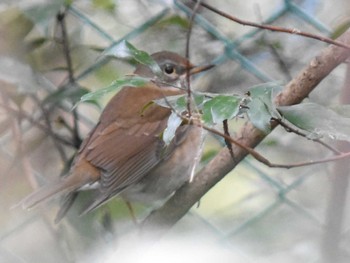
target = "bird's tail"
x: 64, y: 185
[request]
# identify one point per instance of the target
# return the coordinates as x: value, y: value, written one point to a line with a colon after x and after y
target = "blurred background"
x: 50, y: 55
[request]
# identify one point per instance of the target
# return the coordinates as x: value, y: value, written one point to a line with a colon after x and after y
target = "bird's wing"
x: 126, y: 154
x: 123, y: 156
x: 131, y: 155
x: 125, y: 147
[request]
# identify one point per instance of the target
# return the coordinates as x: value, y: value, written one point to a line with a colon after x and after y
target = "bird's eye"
x: 169, y: 69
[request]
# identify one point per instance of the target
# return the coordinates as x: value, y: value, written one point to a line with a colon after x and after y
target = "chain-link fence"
x: 52, y: 55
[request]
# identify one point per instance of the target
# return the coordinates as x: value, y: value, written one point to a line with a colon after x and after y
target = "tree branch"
x: 292, y: 31
x: 294, y: 92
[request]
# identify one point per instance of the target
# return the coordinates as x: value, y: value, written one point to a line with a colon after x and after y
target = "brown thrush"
x: 125, y: 154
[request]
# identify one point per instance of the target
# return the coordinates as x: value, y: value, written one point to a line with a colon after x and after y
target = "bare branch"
x: 274, y: 28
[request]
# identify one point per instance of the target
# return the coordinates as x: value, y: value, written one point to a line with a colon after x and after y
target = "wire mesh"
x: 257, y: 213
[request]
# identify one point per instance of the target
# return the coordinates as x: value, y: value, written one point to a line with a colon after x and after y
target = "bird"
x: 124, y: 154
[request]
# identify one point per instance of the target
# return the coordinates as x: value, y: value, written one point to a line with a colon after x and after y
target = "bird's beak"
x: 198, y: 69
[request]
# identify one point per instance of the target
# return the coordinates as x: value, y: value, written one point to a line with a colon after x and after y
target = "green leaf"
x: 132, y: 81
x: 125, y: 50
x: 179, y: 102
x: 214, y: 107
x: 318, y: 120
x: 197, y: 98
x: 220, y: 108
x: 261, y: 105
x: 176, y: 102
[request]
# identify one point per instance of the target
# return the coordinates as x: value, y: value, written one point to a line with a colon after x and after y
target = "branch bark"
x: 295, y: 91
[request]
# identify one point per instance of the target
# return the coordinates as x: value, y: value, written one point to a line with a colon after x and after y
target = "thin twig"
x: 188, y: 82
x: 288, y: 128
x: 228, y: 142
x: 273, y: 28
x: 265, y: 161
x: 66, y: 50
